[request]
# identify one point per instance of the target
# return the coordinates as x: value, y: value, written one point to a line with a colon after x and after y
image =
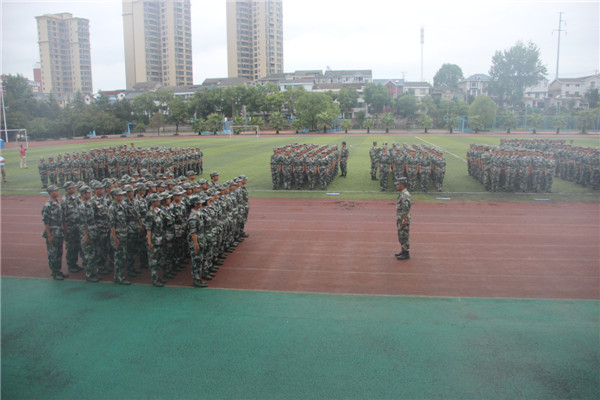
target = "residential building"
x: 395, y: 87
x: 158, y: 42
x: 342, y: 77
x: 536, y: 96
x: 254, y: 38
x: 65, y: 59
x: 570, y: 91
x: 475, y: 85
x: 419, y: 89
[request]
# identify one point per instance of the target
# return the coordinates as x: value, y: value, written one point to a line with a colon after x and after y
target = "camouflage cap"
x: 190, y: 173
x: 69, y: 185
x: 85, y: 189
x: 117, y: 192
x: 128, y: 188
x: 153, y: 197
x: 52, y: 188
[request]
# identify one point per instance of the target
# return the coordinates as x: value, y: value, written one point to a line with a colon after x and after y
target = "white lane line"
x: 446, y: 151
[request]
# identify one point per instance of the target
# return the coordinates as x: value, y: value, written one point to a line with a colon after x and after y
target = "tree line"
x: 511, y: 72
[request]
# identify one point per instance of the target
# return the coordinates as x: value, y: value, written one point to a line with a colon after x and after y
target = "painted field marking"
x: 439, y: 147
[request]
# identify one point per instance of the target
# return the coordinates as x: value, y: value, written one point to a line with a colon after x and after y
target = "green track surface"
x: 75, y: 340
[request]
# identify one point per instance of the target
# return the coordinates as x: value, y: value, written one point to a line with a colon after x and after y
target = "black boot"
x: 405, y: 255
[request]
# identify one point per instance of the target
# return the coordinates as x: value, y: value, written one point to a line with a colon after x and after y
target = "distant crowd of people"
x: 418, y: 164
x: 579, y: 164
x: 307, y: 165
x: 114, y: 162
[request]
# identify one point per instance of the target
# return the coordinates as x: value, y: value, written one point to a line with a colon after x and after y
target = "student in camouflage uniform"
x: 178, y: 210
x: 43, y: 170
x: 169, y: 229
x: 87, y: 233
x: 384, y: 162
x: 196, y: 239
x: 52, y: 218
x: 100, y: 203
x: 373, y: 154
x: 344, y: 153
x: 155, y: 236
x: 403, y: 206
x: 70, y: 208
x: 134, y: 227
x: 118, y: 235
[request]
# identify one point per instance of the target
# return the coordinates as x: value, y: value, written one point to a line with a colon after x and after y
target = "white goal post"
x: 245, y: 128
x: 20, y: 134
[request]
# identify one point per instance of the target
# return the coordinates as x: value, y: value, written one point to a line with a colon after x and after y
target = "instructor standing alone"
x: 403, y: 205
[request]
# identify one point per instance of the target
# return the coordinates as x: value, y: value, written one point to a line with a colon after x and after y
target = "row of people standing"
x: 508, y: 169
x: 114, y: 162
x: 579, y: 164
x: 420, y: 165
x: 307, y: 165
x: 123, y: 226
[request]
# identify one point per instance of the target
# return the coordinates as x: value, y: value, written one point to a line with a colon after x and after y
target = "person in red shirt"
x: 22, y: 151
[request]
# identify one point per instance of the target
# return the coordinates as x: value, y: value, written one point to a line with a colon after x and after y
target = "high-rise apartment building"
x: 254, y: 38
x: 158, y: 42
x: 65, y: 59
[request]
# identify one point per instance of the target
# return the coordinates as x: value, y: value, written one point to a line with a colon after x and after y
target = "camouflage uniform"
x: 118, y: 224
x: 87, y: 224
x: 155, y: 226
x: 43, y: 170
x: 403, y: 206
x: 70, y: 209
x: 52, y: 216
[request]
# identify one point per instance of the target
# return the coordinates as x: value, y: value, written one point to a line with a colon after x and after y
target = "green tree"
x: 311, y: 104
x: 485, y: 109
x: 297, y: 125
x: 290, y: 98
x: 276, y: 122
x: 448, y: 75
x: 325, y: 119
x: 347, y: 98
x: 346, y: 124
x: 509, y: 120
x: 425, y: 122
x: 367, y: 124
x: 140, y: 127
x: 376, y: 96
x: 20, y: 105
x: 214, y: 123
x: 513, y: 70
x: 535, y: 120
x: 388, y: 121
x: 156, y: 121
x: 592, y: 97
x: 587, y: 119
x: 178, y: 112
x: 559, y: 122
x: 361, y: 116
x: 407, y: 106
x: 476, y: 123
x: 206, y: 101
x: 144, y: 107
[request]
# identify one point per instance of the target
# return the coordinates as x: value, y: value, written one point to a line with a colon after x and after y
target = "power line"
x: 559, y: 30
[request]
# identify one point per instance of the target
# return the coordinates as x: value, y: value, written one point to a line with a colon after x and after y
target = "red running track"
x: 458, y: 249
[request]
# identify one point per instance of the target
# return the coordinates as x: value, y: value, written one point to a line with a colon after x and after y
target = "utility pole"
x: 422, y: 42
x: 559, y: 30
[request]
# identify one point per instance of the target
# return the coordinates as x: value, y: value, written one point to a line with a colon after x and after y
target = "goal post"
x: 245, y: 128
x: 17, y: 134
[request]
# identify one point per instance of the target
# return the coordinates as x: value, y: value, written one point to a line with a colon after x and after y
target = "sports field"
x: 499, y: 300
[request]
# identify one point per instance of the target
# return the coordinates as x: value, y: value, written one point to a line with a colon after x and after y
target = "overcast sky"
x: 381, y: 35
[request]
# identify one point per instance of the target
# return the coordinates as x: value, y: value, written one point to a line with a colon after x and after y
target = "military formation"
x: 114, y: 162
x: 508, y: 169
x: 153, y: 222
x: 579, y: 164
x: 420, y: 165
x: 305, y: 165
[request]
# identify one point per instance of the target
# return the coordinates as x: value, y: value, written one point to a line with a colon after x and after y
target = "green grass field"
x: 250, y: 156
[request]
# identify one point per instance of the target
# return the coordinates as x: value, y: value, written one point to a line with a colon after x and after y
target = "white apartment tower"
x: 254, y: 38
x: 158, y: 42
x: 65, y: 59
